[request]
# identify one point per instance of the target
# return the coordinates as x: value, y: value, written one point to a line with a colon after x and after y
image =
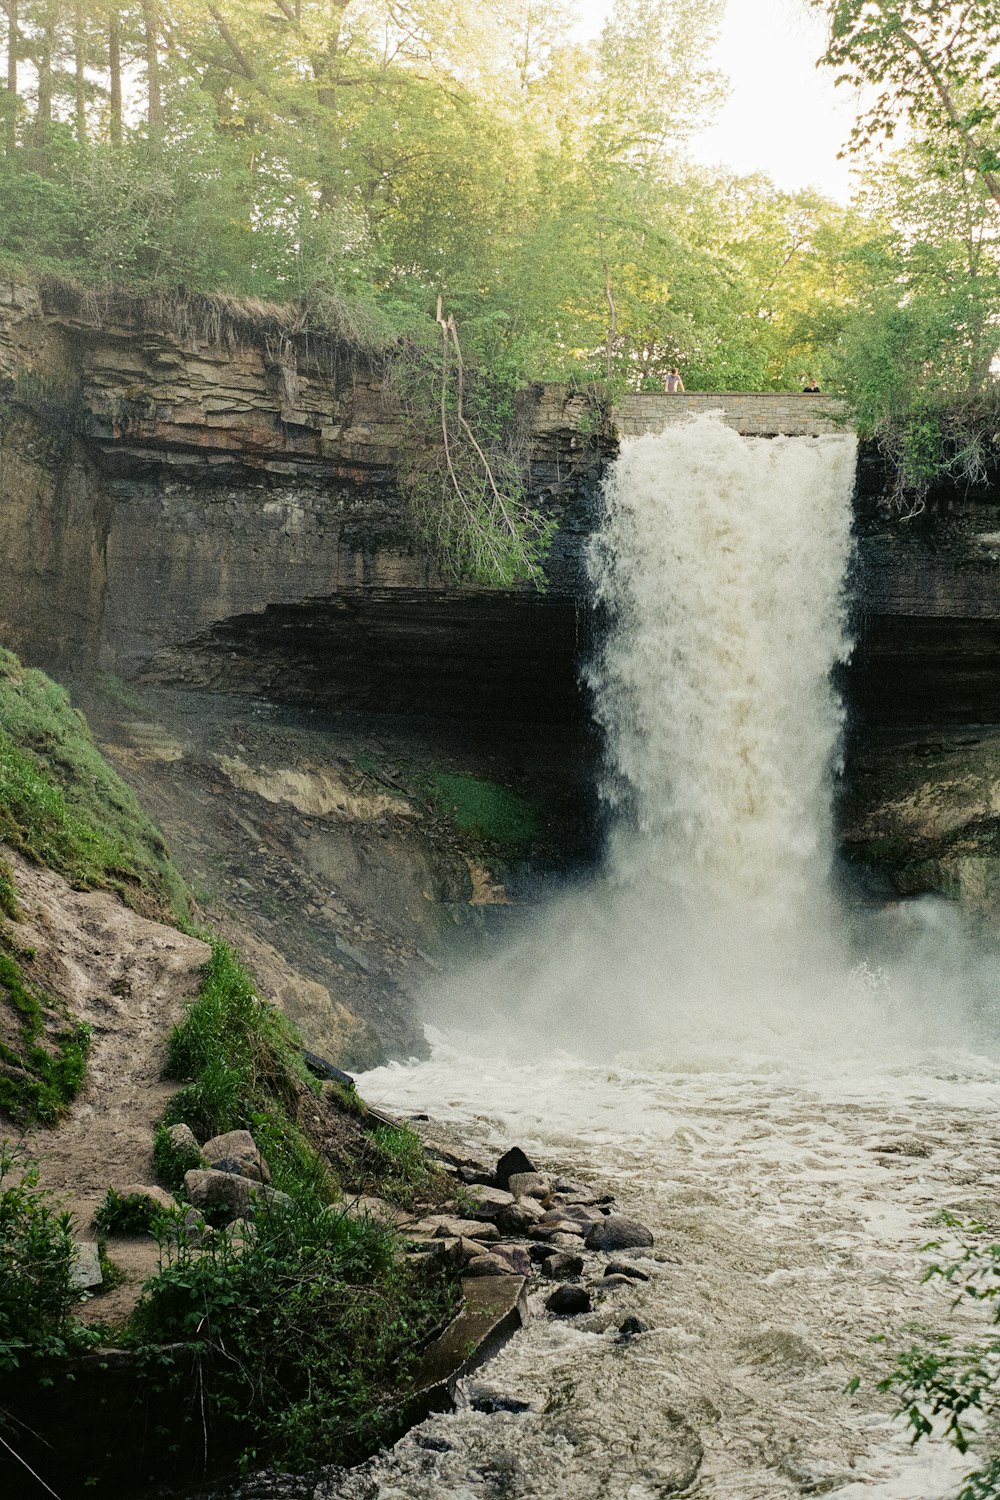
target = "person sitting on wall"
x: 674, y: 383
x: 811, y: 387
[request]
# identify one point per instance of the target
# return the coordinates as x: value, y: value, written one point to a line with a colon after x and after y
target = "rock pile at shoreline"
x: 518, y: 1220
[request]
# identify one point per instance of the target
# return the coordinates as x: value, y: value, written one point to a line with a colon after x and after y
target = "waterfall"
x: 694, y: 1026
x: 721, y: 563
x: 719, y: 566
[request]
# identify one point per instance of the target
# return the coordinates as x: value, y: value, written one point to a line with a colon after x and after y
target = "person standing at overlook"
x: 674, y: 383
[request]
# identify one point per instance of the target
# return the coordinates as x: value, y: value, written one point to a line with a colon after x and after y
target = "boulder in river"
x: 522, y: 1213
x: 529, y: 1185
x: 512, y: 1161
x: 618, y: 1233
x: 630, y: 1326
x: 539, y: 1252
x: 516, y: 1257
x: 567, y: 1301
x: 481, y: 1202
x: 563, y: 1266
x: 550, y: 1230
x: 569, y: 1214
x: 470, y: 1229
x: 625, y: 1268
x: 488, y: 1264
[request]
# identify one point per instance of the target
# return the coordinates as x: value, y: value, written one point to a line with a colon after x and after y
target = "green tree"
x: 935, y: 63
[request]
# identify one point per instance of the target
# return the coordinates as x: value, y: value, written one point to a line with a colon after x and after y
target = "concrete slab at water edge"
x: 493, y: 1309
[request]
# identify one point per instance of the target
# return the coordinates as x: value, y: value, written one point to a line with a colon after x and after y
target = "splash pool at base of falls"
x: 789, y: 1204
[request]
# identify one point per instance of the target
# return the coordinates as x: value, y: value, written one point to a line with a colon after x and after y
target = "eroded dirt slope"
x: 129, y: 979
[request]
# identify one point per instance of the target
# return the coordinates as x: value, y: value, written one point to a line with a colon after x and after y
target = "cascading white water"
x: 721, y: 562
x: 688, y: 1029
x: 720, y: 566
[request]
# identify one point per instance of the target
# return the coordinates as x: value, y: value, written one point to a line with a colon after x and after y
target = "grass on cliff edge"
x: 240, y: 1063
x: 43, y: 1050
x: 63, y: 806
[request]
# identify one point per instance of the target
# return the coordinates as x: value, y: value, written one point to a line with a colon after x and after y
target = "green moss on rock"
x: 485, y: 810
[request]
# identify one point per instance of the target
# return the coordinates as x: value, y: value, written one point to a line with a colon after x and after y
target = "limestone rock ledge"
x: 167, y: 465
x: 922, y: 814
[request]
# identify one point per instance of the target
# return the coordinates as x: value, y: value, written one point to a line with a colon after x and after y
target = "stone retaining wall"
x: 767, y: 414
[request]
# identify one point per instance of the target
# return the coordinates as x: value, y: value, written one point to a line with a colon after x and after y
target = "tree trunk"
x: 43, y: 115
x: 115, y: 75
x: 80, y: 70
x: 154, y: 108
x: 13, y: 48
x: 609, y: 350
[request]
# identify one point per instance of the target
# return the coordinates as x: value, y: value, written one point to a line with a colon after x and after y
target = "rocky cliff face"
x: 203, y: 495
x: 920, y: 811
x: 199, y: 496
x: 926, y: 595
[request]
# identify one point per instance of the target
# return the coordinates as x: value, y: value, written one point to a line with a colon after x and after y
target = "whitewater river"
x: 788, y: 1207
x: 786, y: 1087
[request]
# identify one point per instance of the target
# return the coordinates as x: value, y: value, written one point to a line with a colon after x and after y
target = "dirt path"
x: 129, y: 978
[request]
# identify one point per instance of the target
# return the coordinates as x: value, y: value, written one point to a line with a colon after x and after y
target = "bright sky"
x: 784, y: 116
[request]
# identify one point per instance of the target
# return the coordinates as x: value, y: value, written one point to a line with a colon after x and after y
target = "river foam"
x: 785, y: 1091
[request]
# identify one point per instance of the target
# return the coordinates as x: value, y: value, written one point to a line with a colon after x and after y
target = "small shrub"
x: 170, y: 1161
x: 947, y: 1385
x: 36, y: 1260
x: 308, y: 1322
x: 128, y: 1213
x: 396, y: 1165
x: 112, y: 1274
x: 242, y: 1068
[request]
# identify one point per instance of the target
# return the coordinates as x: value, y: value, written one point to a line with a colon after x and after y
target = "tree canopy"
x: 932, y: 63
x: 371, y: 155
x: 366, y: 158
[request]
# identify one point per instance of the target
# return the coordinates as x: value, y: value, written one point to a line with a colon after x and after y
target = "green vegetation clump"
x: 347, y: 1099
x: 951, y: 1386
x: 43, y: 1055
x: 484, y: 809
x: 125, y: 1213
x: 395, y: 1165
x: 170, y: 1161
x: 36, y: 1260
x: 63, y: 806
x: 242, y: 1069
x: 306, y: 1327
x: 305, y: 1321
